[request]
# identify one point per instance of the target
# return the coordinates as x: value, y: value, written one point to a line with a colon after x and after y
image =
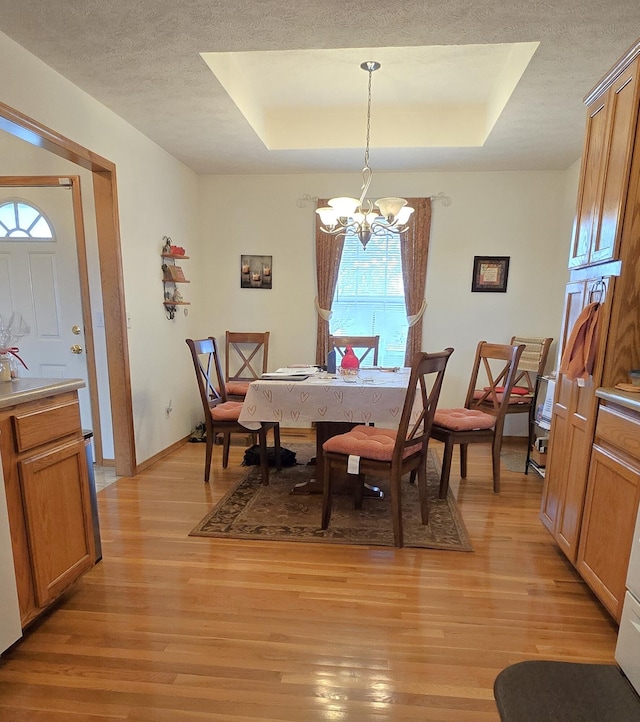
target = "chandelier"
x: 357, y: 215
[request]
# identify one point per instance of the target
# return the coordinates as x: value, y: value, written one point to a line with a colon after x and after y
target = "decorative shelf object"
x: 172, y: 274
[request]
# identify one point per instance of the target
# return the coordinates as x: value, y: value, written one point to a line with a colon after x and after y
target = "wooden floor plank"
x: 172, y: 628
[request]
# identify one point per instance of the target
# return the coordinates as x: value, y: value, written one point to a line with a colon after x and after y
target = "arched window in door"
x: 21, y: 220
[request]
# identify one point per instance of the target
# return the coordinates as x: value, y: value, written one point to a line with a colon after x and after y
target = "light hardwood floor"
x: 169, y: 628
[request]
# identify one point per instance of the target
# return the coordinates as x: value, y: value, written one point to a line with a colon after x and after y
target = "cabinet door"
x: 607, y: 528
x: 555, y: 482
x: 588, y: 192
x: 611, y: 123
x: 570, y: 441
x: 623, y: 112
x: 58, y: 515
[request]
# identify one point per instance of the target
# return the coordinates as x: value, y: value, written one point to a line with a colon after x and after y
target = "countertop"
x: 627, y: 399
x: 20, y: 391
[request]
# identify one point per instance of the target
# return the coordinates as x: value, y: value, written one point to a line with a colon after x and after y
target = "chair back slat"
x: 246, y: 355
x: 364, y: 347
x: 533, y: 360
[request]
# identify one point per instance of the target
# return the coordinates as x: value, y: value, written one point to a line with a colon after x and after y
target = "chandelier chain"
x: 366, y: 151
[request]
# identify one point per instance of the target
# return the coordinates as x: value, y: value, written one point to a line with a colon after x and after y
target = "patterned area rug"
x: 253, y: 511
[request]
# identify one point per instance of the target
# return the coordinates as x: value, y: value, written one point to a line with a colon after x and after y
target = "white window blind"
x: 369, y: 297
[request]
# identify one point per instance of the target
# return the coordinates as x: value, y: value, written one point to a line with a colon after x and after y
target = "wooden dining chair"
x: 364, y: 347
x: 481, y: 420
x: 246, y: 358
x: 220, y: 414
x: 531, y: 365
x: 389, y: 453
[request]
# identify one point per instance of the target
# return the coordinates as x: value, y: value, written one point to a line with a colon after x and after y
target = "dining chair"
x: 220, y: 414
x: 246, y: 358
x: 364, y: 347
x: 391, y: 453
x: 481, y: 420
x: 531, y: 365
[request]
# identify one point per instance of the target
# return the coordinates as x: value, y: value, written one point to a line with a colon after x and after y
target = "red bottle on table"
x: 349, y: 364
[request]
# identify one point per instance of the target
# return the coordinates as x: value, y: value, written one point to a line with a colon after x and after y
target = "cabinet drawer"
x: 619, y: 430
x: 40, y: 426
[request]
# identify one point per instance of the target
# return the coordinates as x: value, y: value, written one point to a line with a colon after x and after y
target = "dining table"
x: 334, y: 403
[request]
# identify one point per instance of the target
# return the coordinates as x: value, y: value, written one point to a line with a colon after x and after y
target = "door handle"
x: 76, y: 348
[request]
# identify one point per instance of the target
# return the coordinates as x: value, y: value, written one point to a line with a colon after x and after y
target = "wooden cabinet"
x: 581, y: 474
x: 613, y: 492
x: 569, y: 441
x: 606, y: 159
x: 48, y: 500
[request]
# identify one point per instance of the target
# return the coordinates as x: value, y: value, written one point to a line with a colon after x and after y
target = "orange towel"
x: 579, y: 354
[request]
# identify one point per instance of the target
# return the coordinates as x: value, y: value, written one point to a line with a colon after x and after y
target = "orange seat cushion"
x: 463, y: 419
x: 369, y: 442
x: 229, y: 411
x: 517, y: 390
x: 237, y: 388
x: 515, y: 399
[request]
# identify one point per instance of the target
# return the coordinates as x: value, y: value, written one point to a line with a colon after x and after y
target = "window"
x: 369, y: 297
x: 19, y: 220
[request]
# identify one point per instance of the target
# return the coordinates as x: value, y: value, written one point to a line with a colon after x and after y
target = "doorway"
x: 110, y: 262
x: 42, y: 281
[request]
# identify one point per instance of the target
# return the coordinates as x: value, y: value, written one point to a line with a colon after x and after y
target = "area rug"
x: 514, y: 457
x: 253, y: 511
x: 514, y: 460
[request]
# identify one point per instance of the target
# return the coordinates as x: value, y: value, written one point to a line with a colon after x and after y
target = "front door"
x: 39, y: 282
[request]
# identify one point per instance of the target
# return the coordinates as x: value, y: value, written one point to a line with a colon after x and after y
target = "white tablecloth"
x: 372, y: 397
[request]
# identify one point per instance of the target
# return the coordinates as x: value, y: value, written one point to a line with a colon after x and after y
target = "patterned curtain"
x: 414, y: 250
x: 328, y: 255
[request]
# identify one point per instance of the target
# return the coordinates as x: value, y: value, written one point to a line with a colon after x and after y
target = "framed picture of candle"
x: 256, y: 271
x: 490, y: 273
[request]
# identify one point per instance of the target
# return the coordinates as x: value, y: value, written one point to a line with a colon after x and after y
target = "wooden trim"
x: 115, y: 320
x: 601, y: 270
x: 107, y: 222
x: 161, y: 454
x: 606, y: 82
x: 22, y: 126
x: 87, y: 317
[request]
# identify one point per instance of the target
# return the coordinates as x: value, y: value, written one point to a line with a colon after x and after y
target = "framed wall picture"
x: 256, y: 271
x: 490, y: 273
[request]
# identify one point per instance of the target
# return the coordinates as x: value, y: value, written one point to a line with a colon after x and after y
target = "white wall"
x: 524, y: 215
x: 157, y: 197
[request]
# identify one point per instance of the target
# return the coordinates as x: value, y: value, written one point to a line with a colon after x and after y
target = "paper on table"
x: 295, y: 370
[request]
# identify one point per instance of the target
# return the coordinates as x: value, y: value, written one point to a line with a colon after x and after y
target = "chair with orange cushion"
x: 391, y: 453
x: 481, y: 420
x: 364, y: 347
x: 246, y: 357
x: 531, y: 365
x: 220, y: 414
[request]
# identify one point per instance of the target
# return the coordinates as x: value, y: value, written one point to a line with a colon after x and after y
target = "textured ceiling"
x: 142, y: 59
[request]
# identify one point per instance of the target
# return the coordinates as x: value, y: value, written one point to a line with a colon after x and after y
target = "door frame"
x: 110, y: 259
x: 73, y: 182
